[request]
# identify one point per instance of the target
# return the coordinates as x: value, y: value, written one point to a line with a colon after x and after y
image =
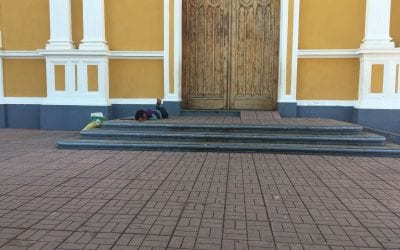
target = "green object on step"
x: 96, y: 119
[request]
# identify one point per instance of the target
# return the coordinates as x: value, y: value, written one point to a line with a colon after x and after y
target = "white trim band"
x: 346, y: 53
x: 78, y: 102
x: 24, y: 100
x: 327, y: 103
x: 134, y: 101
x: 40, y: 54
x: 325, y: 53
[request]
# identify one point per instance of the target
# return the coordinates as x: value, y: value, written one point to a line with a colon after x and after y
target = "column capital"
x: 377, y: 25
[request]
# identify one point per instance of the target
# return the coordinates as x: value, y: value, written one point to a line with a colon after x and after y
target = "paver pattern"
x: 247, y: 118
x: 65, y: 199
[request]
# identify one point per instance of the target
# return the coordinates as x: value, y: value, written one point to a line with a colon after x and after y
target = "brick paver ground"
x: 63, y: 199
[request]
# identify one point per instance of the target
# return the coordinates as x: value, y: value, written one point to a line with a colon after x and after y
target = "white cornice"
x: 42, y: 53
x: 321, y: 53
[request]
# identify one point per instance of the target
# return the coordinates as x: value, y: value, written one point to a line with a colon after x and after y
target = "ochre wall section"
x: 136, y: 79
x: 289, y: 55
x: 77, y: 21
x: 135, y: 24
x: 377, y: 78
x: 395, y: 22
x: 93, y: 77
x: 331, y: 24
x: 328, y: 79
x: 30, y: 83
x: 25, y: 24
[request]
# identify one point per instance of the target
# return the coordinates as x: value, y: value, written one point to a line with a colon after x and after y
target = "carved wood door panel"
x: 230, y: 54
x: 205, y: 67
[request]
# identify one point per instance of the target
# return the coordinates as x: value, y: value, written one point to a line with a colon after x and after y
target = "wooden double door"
x: 230, y: 54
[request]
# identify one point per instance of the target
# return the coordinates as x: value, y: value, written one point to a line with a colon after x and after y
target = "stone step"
x: 271, y: 137
x: 260, y: 115
x: 391, y: 150
x: 340, y: 128
x: 225, y: 113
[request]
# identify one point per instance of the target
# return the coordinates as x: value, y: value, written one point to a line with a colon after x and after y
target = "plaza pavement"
x: 62, y: 199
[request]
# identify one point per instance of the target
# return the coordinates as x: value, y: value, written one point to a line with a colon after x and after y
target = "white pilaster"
x: 1, y: 82
x: 283, y: 97
x: 94, y: 34
x: 377, y: 25
x: 178, y: 49
x: 167, y: 94
x: 60, y: 25
x: 295, y: 49
x: 284, y: 23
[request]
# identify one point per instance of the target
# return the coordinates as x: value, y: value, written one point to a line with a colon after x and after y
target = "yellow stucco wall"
x: 93, y: 77
x: 136, y: 79
x: 25, y: 24
x: 328, y: 79
x: 32, y: 83
x: 59, y: 74
x: 377, y: 78
x: 395, y: 22
x: 331, y: 24
x: 135, y: 24
x: 289, y: 48
x: 77, y: 21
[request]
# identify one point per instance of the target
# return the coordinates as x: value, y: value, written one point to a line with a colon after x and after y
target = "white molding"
x: 137, y: 101
x: 283, y: 44
x: 136, y: 55
x: 329, y: 53
x: 151, y: 101
x: 60, y: 25
x: 334, y: 103
x: 76, y: 101
x: 20, y: 55
x: 380, y: 104
x: 24, y: 100
x: 42, y: 53
x: 348, y: 53
x: 159, y: 55
x: 71, y: 53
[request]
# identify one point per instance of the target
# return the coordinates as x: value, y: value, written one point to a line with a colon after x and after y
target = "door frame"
x: 288, y: 50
